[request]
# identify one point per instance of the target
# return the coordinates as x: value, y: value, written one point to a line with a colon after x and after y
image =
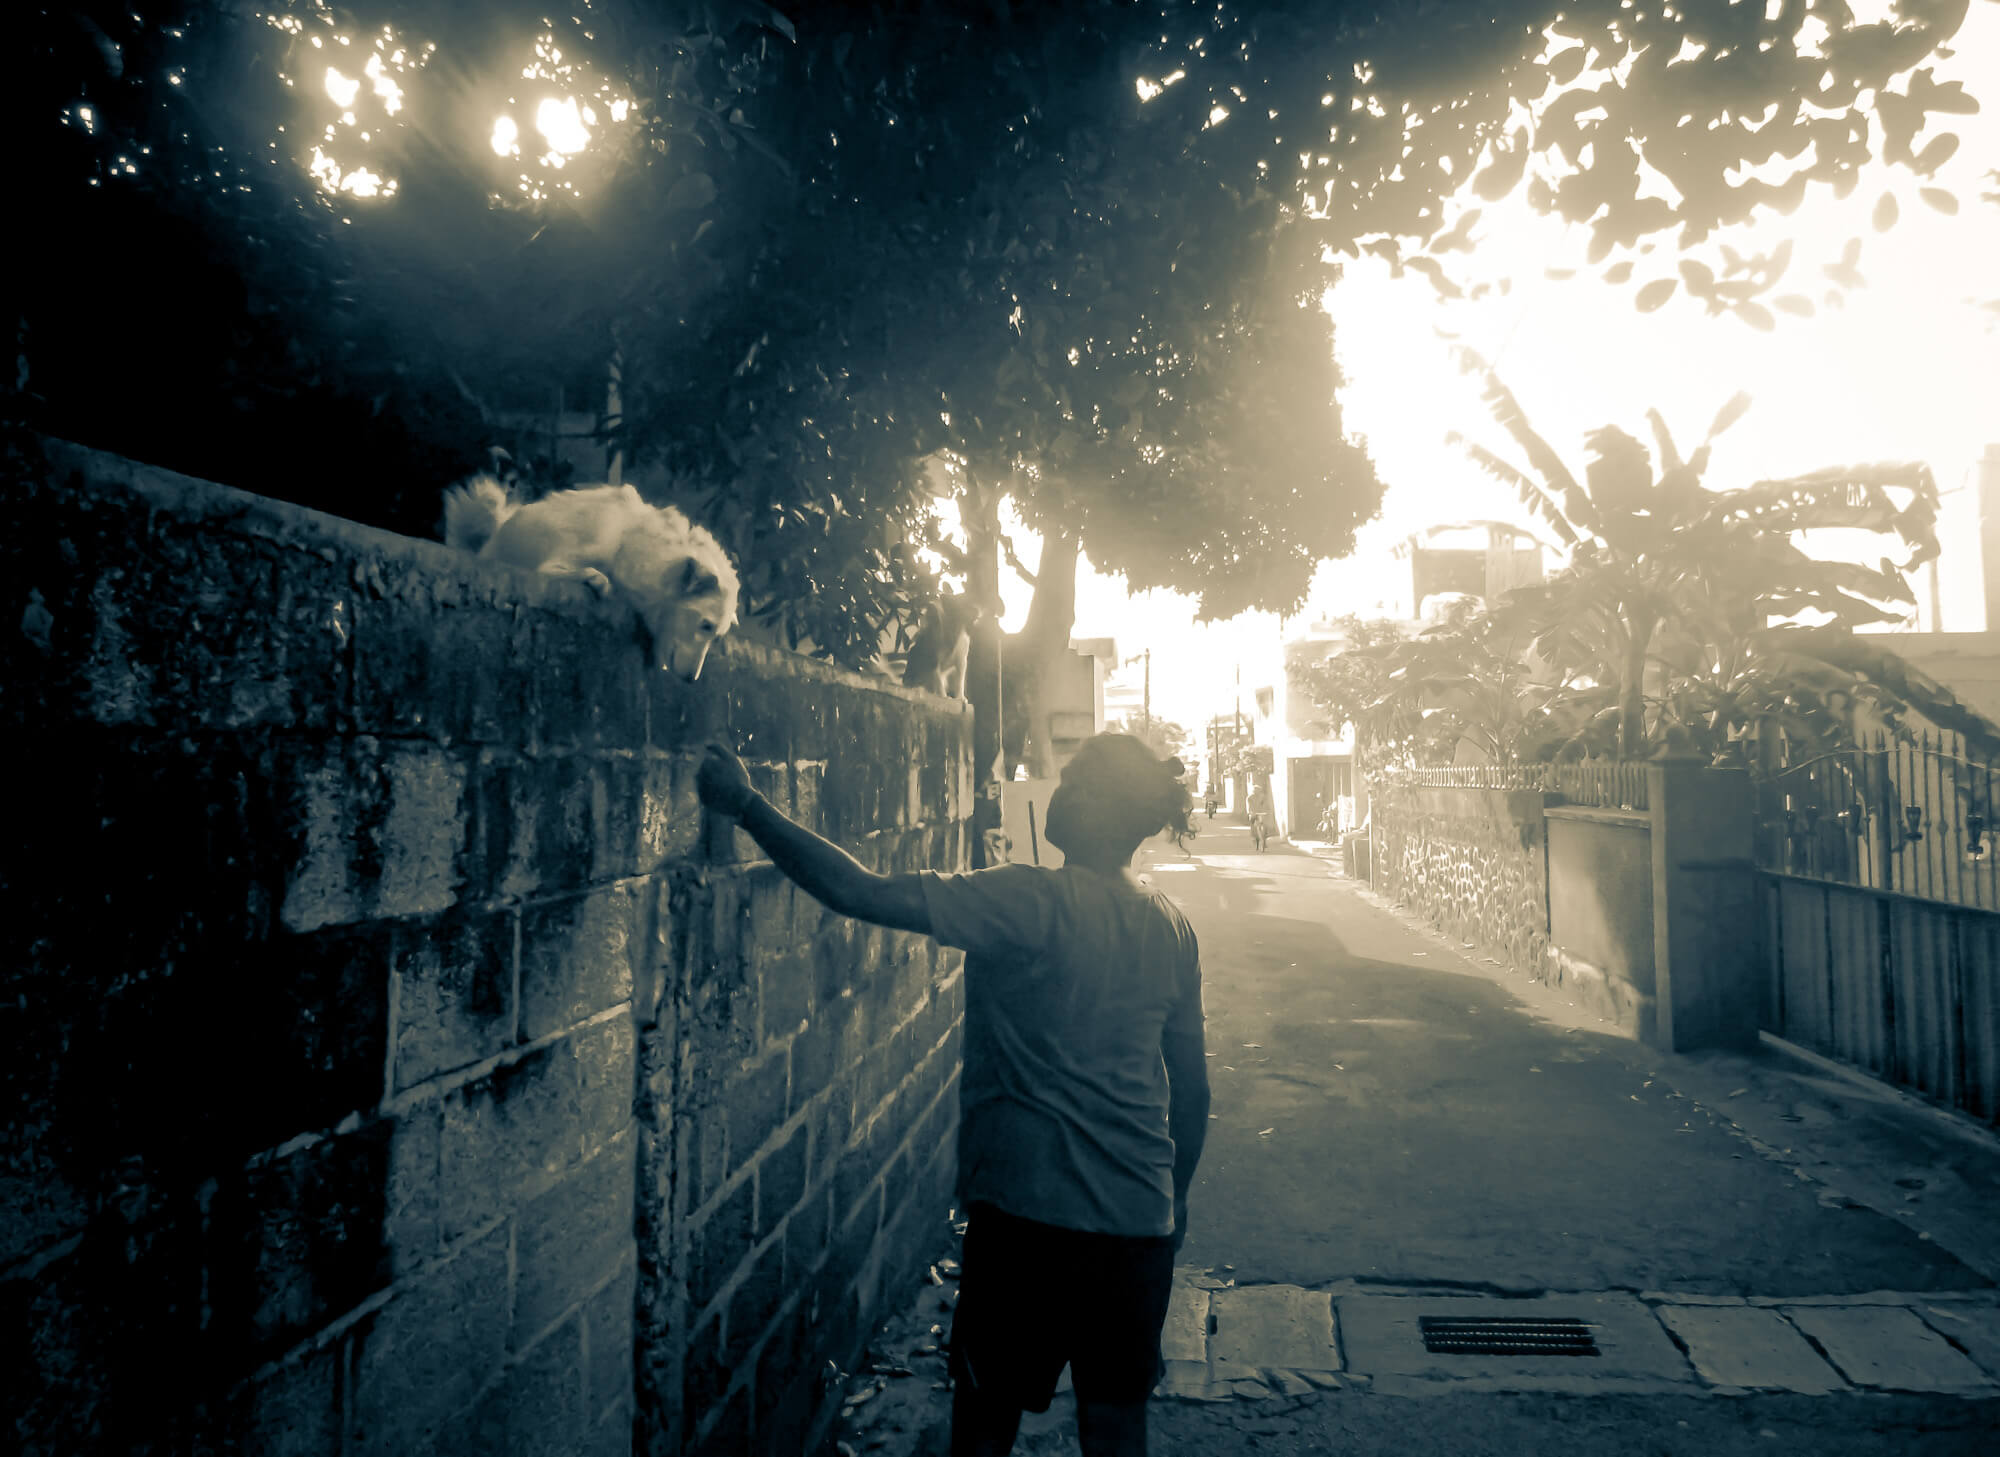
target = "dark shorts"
x: 1033, y: 1298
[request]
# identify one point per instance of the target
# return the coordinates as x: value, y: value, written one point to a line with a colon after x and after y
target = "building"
x: 1968, y: 663
x: 1483, y: 559
x: 1312, y: 761
x: 1075, y: 696
x: 1075, y: 700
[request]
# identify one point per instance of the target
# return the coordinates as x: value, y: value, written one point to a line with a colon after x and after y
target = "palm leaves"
x: 1669, y: 582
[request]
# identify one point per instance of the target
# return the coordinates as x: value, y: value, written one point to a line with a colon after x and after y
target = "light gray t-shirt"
x: 1073, y: 979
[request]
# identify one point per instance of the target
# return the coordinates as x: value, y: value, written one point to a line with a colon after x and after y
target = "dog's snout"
x: 685, y: 664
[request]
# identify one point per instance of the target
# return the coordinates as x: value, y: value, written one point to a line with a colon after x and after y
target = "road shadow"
x: 1381, y: 1118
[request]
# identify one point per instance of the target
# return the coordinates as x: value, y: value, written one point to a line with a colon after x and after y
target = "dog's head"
x: 685, y: 592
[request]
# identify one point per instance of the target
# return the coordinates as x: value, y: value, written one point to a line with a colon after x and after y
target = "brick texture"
x: 396, y: 1063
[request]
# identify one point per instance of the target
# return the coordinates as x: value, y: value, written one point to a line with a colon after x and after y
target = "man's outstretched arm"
x: 817, y: 866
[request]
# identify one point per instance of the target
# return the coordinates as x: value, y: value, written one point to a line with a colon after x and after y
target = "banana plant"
x: 1660, y: 558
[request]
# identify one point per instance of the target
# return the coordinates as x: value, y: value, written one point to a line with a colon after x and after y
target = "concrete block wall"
x: 392, y: 1061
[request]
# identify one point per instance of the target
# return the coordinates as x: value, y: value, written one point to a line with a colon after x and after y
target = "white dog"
x: 675, y: 573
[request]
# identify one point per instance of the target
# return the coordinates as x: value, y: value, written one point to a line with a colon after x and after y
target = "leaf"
x: 1496, y: 180
x: 1655, y: 294
x: 1670, y: 458
x: 1730, y: 413
x: 1699, y: 276
x: 1795, y: 303
x: 1565, y: 66
x: 1559, y: 274
x: 1936, y: 153
x: 1756, y: 316
x: 1938, y: 198
x: 1618, y: 272
x: 695, y: 190
x: 1885, y: 213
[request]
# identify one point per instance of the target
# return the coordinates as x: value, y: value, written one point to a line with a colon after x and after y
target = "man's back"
x: 1073, y: 979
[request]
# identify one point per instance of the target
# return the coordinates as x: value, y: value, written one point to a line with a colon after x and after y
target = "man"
x: 1083, y: 1103
x: 1260, y: 814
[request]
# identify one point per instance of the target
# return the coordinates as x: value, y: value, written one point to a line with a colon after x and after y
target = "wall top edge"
x: 1594, y: 814
x: 82, y: 469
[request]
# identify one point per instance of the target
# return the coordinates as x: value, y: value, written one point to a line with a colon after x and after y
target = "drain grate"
x: 1524, y: 1335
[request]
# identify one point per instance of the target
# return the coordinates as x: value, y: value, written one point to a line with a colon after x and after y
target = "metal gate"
x: 1882, y: 902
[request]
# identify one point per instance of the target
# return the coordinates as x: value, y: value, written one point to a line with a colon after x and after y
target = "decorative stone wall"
x: 1472, y: 861
x: 393, y: 1061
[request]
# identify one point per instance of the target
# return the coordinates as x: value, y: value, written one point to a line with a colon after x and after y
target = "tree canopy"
x: 1065, y: 240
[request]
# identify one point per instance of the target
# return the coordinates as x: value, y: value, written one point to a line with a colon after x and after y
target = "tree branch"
x: 1007, y: 550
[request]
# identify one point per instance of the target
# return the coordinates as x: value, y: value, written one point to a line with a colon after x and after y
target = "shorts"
x: 1033, y: 1298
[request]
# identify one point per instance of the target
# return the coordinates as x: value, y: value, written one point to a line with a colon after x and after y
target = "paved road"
x: 1399, y: 1126
x: 1382, y: 1115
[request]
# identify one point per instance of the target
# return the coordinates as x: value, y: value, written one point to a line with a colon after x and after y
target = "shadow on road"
x: 1381, y: 1119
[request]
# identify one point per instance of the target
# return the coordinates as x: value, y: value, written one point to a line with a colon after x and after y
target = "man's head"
x: 1115, y: 793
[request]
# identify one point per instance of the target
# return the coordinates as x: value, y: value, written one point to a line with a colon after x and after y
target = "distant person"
x: 1083, y: 1103
x: 1211, y: 801
x: 1260, y: 815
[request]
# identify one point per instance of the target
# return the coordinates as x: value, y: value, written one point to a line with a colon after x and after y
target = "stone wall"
x: 1473, y: 861
x: 393, y: 1059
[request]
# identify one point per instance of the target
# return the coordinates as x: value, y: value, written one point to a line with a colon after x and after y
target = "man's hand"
x: 723, y: 784
x: 1180, y: 1222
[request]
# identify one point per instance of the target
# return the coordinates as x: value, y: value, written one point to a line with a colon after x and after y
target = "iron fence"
x: 1598, y: 783
x: 1910, y: 817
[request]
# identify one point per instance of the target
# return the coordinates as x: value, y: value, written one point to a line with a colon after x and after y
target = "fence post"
x: 1707, y: 950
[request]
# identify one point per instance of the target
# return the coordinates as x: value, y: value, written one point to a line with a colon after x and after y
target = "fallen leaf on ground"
x: 1739, y: 1091
x: 1263, y: 1132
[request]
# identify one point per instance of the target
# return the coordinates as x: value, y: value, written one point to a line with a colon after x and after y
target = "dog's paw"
x: 596, y: 581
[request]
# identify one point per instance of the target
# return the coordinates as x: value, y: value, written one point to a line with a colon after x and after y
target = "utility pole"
x: 1149, y: 687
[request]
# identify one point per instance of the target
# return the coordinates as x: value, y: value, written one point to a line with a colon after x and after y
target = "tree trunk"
x: 984, y: 686
x: 1632, y: 692
x: 1035, y: 653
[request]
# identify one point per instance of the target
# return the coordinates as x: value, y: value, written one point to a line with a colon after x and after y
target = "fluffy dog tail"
x: 474, y: 511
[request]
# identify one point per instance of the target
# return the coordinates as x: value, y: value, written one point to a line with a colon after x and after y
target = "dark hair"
x: 1134, y: 793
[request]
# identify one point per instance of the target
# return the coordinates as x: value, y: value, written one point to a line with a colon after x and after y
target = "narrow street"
x: 1382, y: 1116
x: 1401, y: 1126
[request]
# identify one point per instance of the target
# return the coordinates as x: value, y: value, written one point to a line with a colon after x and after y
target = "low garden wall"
x: 1601, y: 912
x: 393, y: 1059
x: 1473, y: 861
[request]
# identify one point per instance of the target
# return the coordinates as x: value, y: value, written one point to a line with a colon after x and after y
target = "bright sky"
x: 1907, y: 370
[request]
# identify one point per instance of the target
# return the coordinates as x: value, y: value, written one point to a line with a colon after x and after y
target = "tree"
x: 842, y: 228
x: 1163, y: 736
x: 1470, y: 681
x: 1667, y: 576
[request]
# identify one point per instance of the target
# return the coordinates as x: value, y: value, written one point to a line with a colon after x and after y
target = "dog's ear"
x: 697, y: 580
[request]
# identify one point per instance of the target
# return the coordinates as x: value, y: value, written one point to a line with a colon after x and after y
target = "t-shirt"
x: 1073, y: 978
